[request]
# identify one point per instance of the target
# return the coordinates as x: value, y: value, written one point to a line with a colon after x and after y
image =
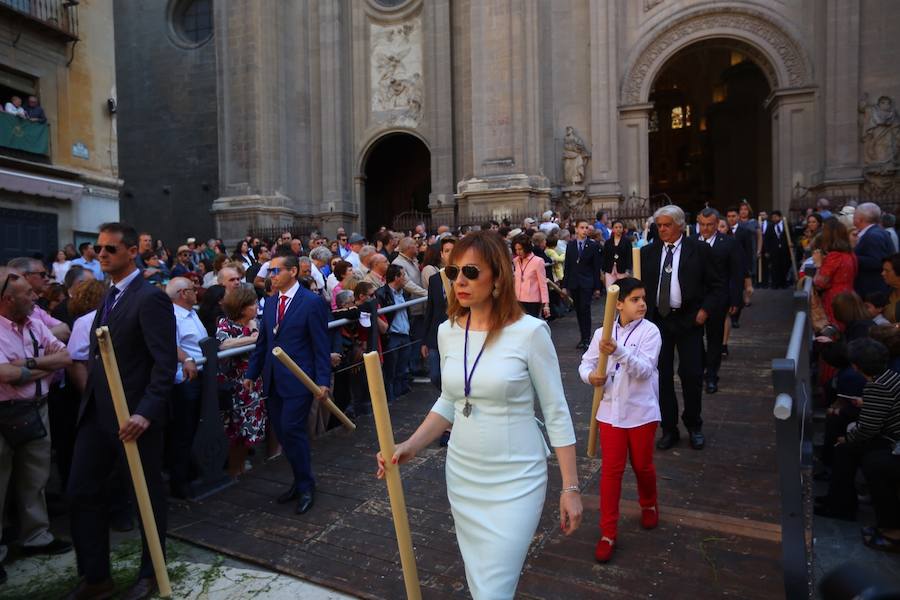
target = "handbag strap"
x: 37, y: 348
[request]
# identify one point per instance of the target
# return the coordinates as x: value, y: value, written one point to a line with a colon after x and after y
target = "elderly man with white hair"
x: 547, y: 225
x: 683, y: 289
x: 872, y: 247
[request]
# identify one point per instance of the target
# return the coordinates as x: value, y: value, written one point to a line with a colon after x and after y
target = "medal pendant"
x: 275, y: 330
x: 467, y: 409
x: 616, y: 256
x: 669, y: 269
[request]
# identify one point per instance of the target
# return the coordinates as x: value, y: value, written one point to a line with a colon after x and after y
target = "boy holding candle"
x: 629, y: 411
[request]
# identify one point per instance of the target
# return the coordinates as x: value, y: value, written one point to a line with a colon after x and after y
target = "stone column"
x: 506, y: 96
x: 440, y: 104
x: 793, y: 147
x: 634, y: 150
x: 248, y: 36
x: 603, y: 179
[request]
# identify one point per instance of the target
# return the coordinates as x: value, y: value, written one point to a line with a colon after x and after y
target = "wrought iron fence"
x: 888, y: 200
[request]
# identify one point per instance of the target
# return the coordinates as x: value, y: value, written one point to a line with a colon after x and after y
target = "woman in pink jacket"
x: 531, y: 278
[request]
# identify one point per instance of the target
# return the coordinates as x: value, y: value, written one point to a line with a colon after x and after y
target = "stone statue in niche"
x: 575, y: 158
x: 396, y: 73
x: 880, y: 132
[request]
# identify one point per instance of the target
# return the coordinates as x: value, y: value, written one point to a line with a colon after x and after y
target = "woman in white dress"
x: 494, y: 361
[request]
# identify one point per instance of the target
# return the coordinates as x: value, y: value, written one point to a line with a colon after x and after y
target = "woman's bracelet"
x: 571, y: 488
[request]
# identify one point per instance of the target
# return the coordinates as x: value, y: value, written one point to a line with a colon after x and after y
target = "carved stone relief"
x: 396, y: 72
x: 575, y: 158
x: 790, y: 55
x: 649, y: 4
x: 880, y: 135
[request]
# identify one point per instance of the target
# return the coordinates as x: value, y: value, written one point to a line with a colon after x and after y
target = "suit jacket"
x: 775, y: 245
x: 744, y: 239
x: 303, y: 335
x: 142, y: 330
x: 609, y: 253
x: 582, y: 272
x: 871, y: 250
x: 435, y: 310
x: 701, y: 286
x: 728, y: 257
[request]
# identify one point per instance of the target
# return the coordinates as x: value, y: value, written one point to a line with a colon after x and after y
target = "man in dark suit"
x: 581, y: 277
x: 872, y: 247
x: 776, y: 251
x: 295, y: 319
x: 142, y: 329
x: 683, y: 289
x: 435, y: 314
x: 729, y: 263
x: 744, y: 239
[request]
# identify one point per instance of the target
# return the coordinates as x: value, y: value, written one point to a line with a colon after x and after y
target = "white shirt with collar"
x: 675, y: 289
x: 353, y: 258
x: 631, y: 393
x: 711, y: 241
x: 189, y: 330
x: 123, y: 285
x: 317, y: 276
x: 290, y: 298
x: 862, y: 232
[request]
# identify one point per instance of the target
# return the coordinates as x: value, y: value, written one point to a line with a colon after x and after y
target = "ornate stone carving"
x: 649, y: 4
x: 880, y: 135
x: 790, y: 54
x: 574, y: 158
x: 396, y: 72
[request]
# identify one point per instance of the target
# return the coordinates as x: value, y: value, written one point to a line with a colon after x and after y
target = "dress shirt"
x: 39, y: 314
x: 290, y: 297
x: 353, y: 258
x: 80, y: 341
x: 711, y: 241
x: 59, y: 271
x: 122, y: 286
x: 16, y: 343
x: 189, y: 330
x: 12, y: 109
x: 93, y: 266
x: 675, y: 290
x: 779, y: 227
x: 862, y: 232
x: 400, y: 324
x: 631, y: 393
x: 317, y: 277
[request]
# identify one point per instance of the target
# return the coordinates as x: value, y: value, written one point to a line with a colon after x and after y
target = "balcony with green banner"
x: 22, y: 135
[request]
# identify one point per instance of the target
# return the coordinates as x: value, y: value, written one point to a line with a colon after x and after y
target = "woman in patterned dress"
x: 245, y: 419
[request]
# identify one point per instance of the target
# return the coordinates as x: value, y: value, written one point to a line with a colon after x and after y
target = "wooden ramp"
x: 718, y: 535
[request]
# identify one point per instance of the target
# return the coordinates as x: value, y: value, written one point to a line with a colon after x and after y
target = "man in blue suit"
x: 295, y: 319
x: 872, y: 247
x: 581, y: 277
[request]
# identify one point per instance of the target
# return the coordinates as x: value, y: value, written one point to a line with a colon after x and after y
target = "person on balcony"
x: 34, y: 111
x: 14, y: 107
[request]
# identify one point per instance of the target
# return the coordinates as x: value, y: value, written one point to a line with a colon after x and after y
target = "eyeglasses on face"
x: 470, y: 272
x: 9, y: 277
x: 43, y: 274
x: 109, y: 248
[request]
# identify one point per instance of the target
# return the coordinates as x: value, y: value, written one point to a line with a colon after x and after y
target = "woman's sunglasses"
x: 470, y: 272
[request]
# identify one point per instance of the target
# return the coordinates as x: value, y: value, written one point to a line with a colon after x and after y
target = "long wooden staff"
x: 609, y: 315
x: 446, y: 281
x: 759, y: 251
x: 392, y: 475
x: 111, y: 366
x: 309, y: 384
x: 635, y: 263
x: 790, y: 245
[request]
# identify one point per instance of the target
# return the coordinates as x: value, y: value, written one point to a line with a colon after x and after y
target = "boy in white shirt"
x: 629, y: 411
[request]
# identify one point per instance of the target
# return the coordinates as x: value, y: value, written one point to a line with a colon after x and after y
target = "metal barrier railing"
x: 791, y: 378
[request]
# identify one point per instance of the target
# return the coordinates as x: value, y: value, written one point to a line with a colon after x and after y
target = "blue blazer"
x: 871, y: 250
x: 582, y: 272
x: 303, y: 335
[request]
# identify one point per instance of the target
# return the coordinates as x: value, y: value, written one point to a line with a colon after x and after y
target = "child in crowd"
x: 875, y: 303
x: 629, y: 412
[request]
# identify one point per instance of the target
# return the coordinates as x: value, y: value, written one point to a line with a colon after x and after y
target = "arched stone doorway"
x: 397, y: 170
x: 709, y: 130
x: 762, y: 39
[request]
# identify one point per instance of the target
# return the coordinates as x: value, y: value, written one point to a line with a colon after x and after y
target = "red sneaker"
x: 604, y: 550
x: 650, y: 517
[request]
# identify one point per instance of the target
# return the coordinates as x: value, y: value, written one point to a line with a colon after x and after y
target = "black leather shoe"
x: 582, y: 345
x: 697, y: 439
x: 287, y: 496
x: 57, y: 546
x: 305, y: 503
x: 141, y: 589
x: 668, y: 439
x: 92, y: 591
x: 712, y: 387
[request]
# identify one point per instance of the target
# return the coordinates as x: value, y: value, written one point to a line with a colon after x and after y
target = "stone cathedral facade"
x: 346, y: 112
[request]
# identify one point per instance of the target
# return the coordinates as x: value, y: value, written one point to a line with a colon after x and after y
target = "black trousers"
x: 689, y: 344
x: 62, y: 412
x: 185, y: 411
x: 847, y: 459
x: 715, y: 333
x: 582, y: 299
x: 98, y: 452
x: 532, y: 308
x: 882, y: 469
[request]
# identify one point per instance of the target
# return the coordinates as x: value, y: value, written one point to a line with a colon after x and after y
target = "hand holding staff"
x: 134, y: 462
x: 392, y: 474
x: 635, y: 262
x: 309, y: 384
x: 609, y: 315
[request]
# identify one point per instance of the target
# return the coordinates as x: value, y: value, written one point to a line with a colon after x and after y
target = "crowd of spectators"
x: 32, y: 111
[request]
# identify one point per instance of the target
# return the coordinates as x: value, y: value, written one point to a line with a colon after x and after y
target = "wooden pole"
x: 392, y: 474
x: 446, y: 281
x: 309, y: 384
x: 609, y: 316
x: 636, y: 262
x: 790, y: 245
x: 111, y: 366
x: 759, y: 251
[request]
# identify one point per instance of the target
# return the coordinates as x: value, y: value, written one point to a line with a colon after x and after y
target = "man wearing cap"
x: 183, y: 264
x: 356, y: 243
x: 529, y: 224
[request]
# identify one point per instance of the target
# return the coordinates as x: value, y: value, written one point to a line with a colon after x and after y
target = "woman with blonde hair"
x: 494, y: 361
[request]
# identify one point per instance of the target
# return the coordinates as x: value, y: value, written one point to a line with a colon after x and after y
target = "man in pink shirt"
x: 35, y: 273
x: 29, y: 354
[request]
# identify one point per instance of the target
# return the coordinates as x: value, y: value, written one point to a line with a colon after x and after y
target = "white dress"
x: 497, y: 458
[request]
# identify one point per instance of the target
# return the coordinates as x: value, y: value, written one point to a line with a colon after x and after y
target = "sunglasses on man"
x: 470, y: 272
x: 43, y: 274
x: 108, y: 247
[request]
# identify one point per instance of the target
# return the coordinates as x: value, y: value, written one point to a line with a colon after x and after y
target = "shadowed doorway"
x: 710, y: 134
x: 398, y: 180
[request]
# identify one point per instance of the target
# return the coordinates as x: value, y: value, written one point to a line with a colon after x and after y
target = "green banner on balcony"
x: 24, y: 135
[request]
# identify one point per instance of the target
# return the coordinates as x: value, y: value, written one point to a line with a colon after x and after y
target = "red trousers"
x: 616, y: 444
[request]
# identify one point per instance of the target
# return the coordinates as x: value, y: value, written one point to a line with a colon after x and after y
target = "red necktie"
x: 282, y: 305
